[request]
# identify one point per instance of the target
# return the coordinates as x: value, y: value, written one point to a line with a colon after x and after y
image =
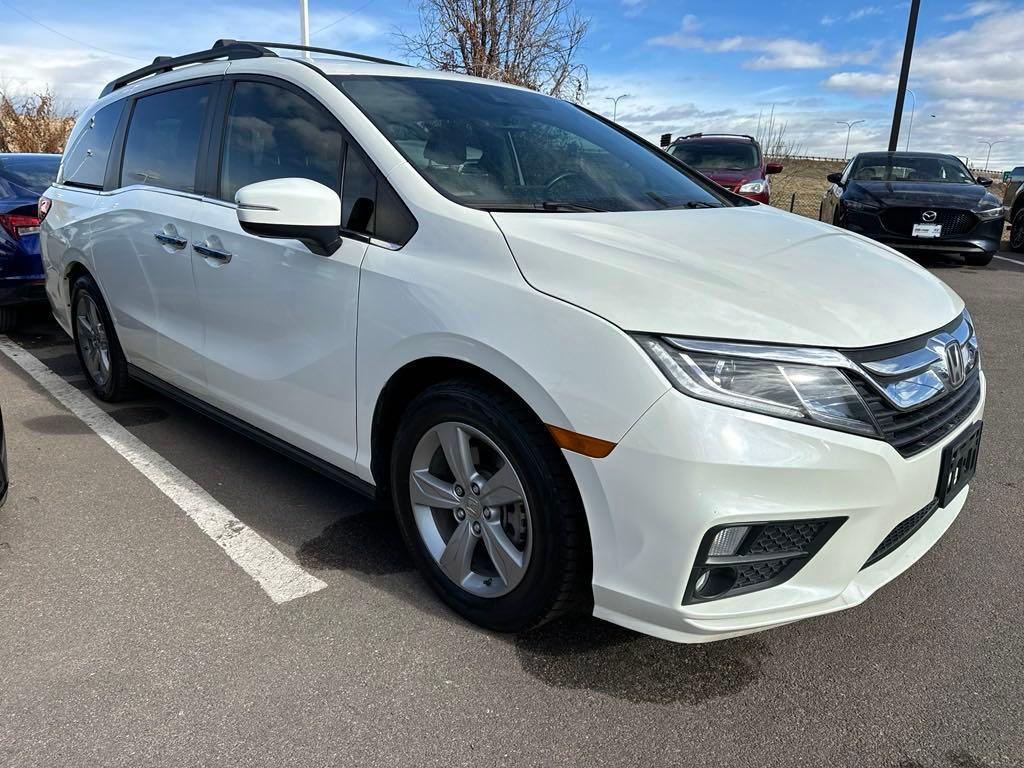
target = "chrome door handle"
x: 211, y: 253
x: 171, y: 240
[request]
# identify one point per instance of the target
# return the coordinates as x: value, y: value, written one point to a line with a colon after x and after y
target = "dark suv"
x: 730, y: 160
x: 1013, y: 204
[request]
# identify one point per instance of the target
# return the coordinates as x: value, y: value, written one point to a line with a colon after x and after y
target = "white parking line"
x: 1012, y: 261
x: 279, y: 577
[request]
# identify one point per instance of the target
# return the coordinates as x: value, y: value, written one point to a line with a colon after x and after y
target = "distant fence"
x: 816, y: 158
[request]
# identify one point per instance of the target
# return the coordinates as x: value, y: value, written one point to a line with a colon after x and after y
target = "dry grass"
x: 33, y: 124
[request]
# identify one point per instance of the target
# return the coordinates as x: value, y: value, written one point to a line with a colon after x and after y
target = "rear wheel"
x: 1017, y: 231
x: 488, y: 508
x: 8, y: 319
x: 99, y: 351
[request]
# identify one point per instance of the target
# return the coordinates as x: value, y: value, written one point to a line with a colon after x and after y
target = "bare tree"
x: 33, y: 124
x: 771, y: 135
x: 533, y: 43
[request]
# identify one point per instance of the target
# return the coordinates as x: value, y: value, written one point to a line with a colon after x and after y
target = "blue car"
x: 23, y: 178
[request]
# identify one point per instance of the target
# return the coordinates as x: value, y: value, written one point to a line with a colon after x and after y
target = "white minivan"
x: 584, y: 376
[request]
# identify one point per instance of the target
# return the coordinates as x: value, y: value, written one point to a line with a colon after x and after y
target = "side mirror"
x: 772, y: 168
x: 985, y: 181
x: 835, y: 178
x: 296, y: 209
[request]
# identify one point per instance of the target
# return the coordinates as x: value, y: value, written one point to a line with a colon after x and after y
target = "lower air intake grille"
x: 787, y: 537
x: 755, y: 573
x: 901, y: 533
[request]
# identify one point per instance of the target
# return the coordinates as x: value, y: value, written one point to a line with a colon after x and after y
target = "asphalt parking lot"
x: 128, y: 637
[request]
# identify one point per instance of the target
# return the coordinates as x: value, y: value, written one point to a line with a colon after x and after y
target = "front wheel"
x: 488, y: 508
x: 1017, y: 231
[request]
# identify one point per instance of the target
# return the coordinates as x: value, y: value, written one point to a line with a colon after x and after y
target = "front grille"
x: 787, y: 537
x: 757, y: 573
x: 901, y: 533
x: 915, y: 430
x: 901, y: 221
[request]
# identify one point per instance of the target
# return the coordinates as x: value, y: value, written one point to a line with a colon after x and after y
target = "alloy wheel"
x: 92, y: 339
x: 470, y: 509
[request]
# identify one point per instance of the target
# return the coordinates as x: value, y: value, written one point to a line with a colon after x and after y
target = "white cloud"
x: 855, y: 15
x: 976, y: 9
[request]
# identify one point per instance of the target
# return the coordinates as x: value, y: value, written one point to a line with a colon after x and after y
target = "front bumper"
x: 687, y: 466
x: 985, y: 237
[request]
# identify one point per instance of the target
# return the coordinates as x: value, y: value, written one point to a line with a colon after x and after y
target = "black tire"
x: 118, y: 385
x: 1017, y: 231
x: 8, y: 319
x: 978, y: 259
x: 557, y: 579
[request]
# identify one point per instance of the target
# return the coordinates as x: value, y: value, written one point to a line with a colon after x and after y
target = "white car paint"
x: 302, y: 346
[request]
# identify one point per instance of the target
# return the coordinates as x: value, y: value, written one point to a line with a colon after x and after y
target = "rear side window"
x: 273, y: 133
x: 85, y: 159
x: 162, y: 146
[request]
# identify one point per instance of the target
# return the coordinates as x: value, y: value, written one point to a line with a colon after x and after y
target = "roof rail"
x: 313, y: 49
x: 222, y: 49
x: 706, y: 135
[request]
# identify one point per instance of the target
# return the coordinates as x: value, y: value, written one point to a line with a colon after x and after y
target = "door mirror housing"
x: 835, y: 178
x: 772, y: 168
x: 295, y: 209
x: 984, y: 181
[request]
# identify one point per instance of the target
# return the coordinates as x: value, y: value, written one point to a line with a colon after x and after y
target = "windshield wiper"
x: 699, y: 204
x: 553, y: 205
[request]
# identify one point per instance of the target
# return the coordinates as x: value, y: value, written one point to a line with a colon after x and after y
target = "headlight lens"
x: 808, y: 393
x: 857, y: 205
x: 990, y: 214
x: 753, y: 187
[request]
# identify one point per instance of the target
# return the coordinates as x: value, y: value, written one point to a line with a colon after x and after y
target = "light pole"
x: 849, y: 127
x: 304, y: 25
x: 913, y: 109
x: 990, y: 145
x: 615, y: 102
x: 908, y: 51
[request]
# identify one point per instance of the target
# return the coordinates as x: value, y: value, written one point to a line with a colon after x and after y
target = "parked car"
x: 582, y: 374
x: 1013, y: 205
x: 23, y: 178
x: 916, y: 201
x: 732, y: 161
x: 4, y: 483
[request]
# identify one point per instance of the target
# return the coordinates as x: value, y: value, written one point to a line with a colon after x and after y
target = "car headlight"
x: 763, y: 380
x: 753, y: 187
x: 857, y: 205
x: 990, y: 213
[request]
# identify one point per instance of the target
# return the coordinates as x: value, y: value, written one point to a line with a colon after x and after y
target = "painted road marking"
x: 279, y: 577
x: 1012, y: 261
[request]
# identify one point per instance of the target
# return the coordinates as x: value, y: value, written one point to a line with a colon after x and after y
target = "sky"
x: 686, y: 66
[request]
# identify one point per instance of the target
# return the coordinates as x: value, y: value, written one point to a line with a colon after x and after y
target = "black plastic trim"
x: 797, y: 559
x: 314, y: 49
x: 222, y: 49
x: 254, y: 433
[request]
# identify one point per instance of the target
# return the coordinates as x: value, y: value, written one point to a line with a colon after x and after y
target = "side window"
x: 273, y: 133
x: 162, y: 147
x: 85, y: 159
x: 358, y: 195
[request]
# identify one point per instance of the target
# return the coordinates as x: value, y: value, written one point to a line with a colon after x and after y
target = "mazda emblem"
x: 929, y: 216
x: 955, y: 368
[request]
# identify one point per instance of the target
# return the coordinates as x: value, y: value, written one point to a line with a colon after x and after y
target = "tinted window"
x: 489, y: 146
x: 33, y: 173
x: 273, y: 133
x: 163, y: 139
x: 85, y: 158
x: 359, y: 194
x: 919, y: 168
x: 717, y: 155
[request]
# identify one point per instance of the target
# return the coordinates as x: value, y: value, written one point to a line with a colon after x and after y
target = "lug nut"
x: 460, y: 514
x: 460, y: 491
x: 475, y: 488
x: 487, y: 513
x: 476, y: 528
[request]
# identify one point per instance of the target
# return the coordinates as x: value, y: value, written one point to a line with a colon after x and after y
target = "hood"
x: 897, y: 193
x: 729, y: 178
x: 746, y: 273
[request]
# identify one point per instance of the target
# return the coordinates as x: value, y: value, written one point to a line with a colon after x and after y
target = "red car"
x: 730, y: 160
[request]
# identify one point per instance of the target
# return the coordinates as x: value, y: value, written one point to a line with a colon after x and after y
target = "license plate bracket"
x: 959, y: 463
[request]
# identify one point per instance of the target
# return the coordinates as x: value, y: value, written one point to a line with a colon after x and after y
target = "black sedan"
x: 916, y: 201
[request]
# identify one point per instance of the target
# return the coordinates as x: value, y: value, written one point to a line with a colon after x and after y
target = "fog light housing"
x: 736, y: 559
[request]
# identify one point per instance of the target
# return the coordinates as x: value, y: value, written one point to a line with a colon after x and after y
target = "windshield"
x: 494, y: 147
x: 717, y: 155
x: 34, y: 173
x: 896, y: 168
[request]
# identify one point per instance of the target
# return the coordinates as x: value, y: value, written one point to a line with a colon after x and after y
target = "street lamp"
x: 304, y: 25
x: 615, y: 102
x: 913, y: 109
x: 990, y: 145
x: 849, y: 127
